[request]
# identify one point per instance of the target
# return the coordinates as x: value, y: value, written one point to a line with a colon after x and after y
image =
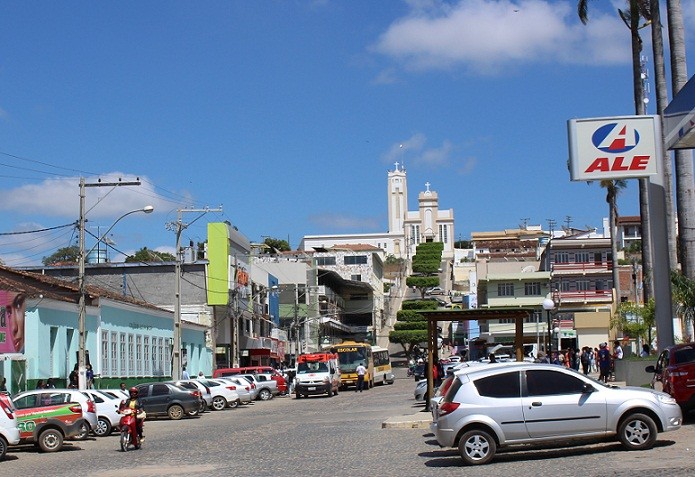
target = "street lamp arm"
x: 147, y: 209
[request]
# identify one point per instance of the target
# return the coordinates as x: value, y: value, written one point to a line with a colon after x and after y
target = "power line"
x: 72, y: 224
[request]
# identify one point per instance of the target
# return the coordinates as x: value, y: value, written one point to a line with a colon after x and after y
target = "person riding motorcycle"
x: 134, y: 403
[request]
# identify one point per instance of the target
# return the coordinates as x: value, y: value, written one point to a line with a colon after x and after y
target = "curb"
x: 407, y: 422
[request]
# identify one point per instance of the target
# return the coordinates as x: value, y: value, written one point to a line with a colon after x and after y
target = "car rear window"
x: 453, y: 389
x: 504, y: 385
x: 684, y: 355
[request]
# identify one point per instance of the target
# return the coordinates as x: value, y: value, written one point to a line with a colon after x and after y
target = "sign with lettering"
x: 614, y: 148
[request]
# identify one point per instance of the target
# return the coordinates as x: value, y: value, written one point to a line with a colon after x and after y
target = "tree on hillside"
x: 69, y: 254
x: 410, y: 329
x: 276, y: 245
x: 426, y: 263
x: 147, y: 255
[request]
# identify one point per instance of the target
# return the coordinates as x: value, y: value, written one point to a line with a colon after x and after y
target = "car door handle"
x: 536, y: 404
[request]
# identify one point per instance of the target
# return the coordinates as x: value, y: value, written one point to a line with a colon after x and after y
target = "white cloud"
x: 488, y: 36
x: 467, y: 165
x: 59, y: 197
x: 414, y: 151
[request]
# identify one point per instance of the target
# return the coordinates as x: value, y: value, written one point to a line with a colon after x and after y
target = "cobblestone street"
x: 342, y: 436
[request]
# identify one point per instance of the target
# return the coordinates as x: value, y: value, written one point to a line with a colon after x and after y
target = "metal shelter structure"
x: 435, y: 316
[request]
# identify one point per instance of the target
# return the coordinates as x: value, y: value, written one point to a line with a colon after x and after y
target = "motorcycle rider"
x: 134, y: 403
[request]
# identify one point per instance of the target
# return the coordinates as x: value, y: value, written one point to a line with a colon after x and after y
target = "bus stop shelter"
x: 435, y: 316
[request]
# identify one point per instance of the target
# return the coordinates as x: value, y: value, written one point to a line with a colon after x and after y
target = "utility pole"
x: 179, y: 227
x: 82, y: 306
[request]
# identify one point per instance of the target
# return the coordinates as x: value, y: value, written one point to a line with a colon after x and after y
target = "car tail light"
x: 448, y: 407
x: 247, y: 388
x: 7, y: 410
x: 91, y: 407
x: 231, y: 388
x: 679, y: 374
x: 77, y: 408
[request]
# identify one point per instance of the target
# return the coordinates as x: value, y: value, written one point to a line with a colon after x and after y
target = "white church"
x: 406, y: 229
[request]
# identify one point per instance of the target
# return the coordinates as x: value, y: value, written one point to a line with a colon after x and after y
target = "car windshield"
x: 304, y: 368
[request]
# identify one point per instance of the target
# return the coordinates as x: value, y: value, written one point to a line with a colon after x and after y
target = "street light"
x: 548, y: 306
x: 81, y: 354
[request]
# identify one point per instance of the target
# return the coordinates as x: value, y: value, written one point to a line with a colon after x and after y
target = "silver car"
x: 517, y: 403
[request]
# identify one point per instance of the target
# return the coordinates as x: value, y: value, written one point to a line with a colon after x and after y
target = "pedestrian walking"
x: 90, y: 376
x: 586, y: 360
x: 184, y: 374
x: 361, y: 371
x: 74, y: 378
x: 604, y: 362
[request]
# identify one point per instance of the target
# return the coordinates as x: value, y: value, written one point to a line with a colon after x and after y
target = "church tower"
x: 398, y: 200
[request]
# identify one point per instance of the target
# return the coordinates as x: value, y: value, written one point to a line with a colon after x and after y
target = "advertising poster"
x: 12, y: 313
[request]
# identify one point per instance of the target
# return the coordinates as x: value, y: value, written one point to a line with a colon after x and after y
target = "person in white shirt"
x: 361, y: 371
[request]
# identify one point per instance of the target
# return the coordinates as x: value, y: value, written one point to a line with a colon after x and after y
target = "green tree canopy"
x: 63, y: 255
x: 276, y: 245
x: 147, y: 255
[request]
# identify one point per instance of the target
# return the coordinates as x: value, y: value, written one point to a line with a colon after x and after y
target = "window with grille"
x: 146, y: 355
x: 124, y: 368
x: 105, y: 353
x: 138, y: 355
x: 532, y: 288
x: 505, y: 289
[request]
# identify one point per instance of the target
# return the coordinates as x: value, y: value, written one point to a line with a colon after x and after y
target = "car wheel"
x: 477, y: 447
x: 84, y: 432
x: 3, y: 447
x: 50, y: 440
x: 103, y: 427
x: 219, y: 403
x: 637, y: 432
x: 264, y: 394
x: 175, y: 412
x: 234, y: 404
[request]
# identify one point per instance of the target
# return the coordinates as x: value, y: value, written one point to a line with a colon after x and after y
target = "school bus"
x: 350, y: 355
x: 383, y: 374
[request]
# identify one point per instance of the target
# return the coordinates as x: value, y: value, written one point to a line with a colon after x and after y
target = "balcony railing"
x: 582, y: 267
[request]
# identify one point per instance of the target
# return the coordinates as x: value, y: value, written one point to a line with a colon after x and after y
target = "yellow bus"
x: 350, y: 355
x: 383, y: 374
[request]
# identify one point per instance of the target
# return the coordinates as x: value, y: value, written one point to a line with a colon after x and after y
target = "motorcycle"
x: 129, y: 429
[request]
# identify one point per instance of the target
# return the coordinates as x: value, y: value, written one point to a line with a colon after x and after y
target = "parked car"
x: 435, y: 291
x: 223, y: 394
x: 9, y: 430
x: 108, y: 417
x: 47, y: 422
x: 167, y: 399
x: 490, y: 407
x: 674, y: 373
x: 197, y: 385
x: 247, y: 391
x: 420, y: 390
x: 37, y: 397
x: 267, y: 387
x: 276, y: 376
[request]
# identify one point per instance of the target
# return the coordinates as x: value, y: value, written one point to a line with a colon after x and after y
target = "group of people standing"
x: 592, y: 360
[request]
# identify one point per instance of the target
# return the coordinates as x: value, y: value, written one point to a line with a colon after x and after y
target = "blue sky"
x: 288, y: 114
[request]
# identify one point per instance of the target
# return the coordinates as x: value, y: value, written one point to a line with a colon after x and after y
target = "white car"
x: 9, y: 432
x: 246, y: 393
x: 222, y: 394
x: 108, y: 417
x: 89, y: 413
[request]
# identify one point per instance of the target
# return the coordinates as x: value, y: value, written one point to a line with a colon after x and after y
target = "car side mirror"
x: 650, y: 369
x: 587, y: 388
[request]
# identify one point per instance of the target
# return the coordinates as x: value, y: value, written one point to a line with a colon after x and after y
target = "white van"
x: 317, y: 373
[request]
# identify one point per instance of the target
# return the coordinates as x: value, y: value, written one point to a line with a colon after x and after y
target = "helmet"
x: 133, y: 392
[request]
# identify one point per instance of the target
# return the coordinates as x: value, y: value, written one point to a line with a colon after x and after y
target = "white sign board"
x: 614, y: 148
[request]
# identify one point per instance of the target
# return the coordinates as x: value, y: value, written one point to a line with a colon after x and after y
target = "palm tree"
x: 631, y: 19
x: 661, y: 103
x: 685, y: 187
x: 613, y: 188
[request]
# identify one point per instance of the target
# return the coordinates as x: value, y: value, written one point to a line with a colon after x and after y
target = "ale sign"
x: 614, y: 148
